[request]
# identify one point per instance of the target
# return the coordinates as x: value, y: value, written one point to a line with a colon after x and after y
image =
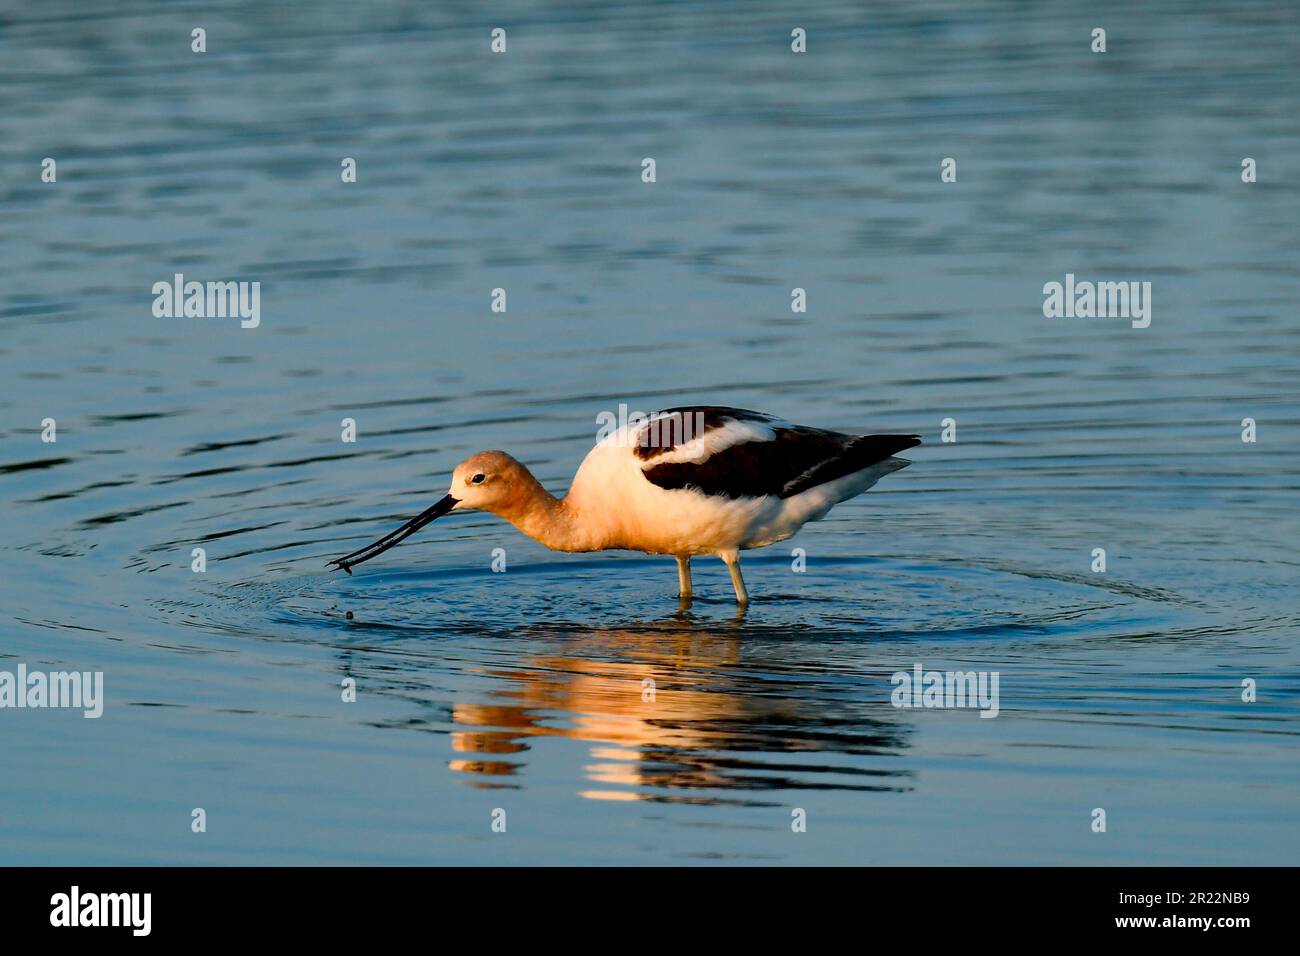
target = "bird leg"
x: 684, y: 576
x: 732, y: 560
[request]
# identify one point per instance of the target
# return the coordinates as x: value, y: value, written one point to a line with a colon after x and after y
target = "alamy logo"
x: 946, y: 689
x: 1102, y: 300
x: 103, y: 909
x: 77, y: 689
x: 209, y: 300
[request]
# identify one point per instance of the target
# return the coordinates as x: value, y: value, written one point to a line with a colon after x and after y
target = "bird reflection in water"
x: 676, y: 717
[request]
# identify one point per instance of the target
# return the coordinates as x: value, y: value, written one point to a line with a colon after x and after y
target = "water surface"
x: 525, y: 691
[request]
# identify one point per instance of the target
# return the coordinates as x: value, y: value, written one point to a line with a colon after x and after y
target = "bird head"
x: 489, y: 481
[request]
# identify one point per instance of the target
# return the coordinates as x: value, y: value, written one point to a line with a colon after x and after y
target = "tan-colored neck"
x: 547, y: 519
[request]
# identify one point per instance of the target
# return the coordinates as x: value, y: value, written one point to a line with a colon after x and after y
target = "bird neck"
x: 551, y: 521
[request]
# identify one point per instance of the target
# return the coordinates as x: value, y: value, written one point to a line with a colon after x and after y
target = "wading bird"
x: 686, y: 481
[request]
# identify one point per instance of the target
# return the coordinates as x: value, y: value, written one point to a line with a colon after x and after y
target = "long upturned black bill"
x: 396, y: 536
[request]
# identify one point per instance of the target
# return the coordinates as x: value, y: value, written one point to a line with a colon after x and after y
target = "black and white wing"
x: 736, y: 453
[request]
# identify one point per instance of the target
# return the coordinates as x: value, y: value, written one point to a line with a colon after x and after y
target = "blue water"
x: 523, y: 691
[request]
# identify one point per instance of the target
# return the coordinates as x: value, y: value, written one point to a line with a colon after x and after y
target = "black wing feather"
x: 797, y: 459
x: 672, y: 426
x: 860, y: 453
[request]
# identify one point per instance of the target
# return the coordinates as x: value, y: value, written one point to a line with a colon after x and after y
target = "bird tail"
x: 858, y: 455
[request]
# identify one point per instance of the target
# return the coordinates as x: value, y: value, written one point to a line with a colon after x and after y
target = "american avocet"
x: 685, y: 481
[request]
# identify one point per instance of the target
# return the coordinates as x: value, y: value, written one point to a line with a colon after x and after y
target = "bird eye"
x: 478, y: 479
